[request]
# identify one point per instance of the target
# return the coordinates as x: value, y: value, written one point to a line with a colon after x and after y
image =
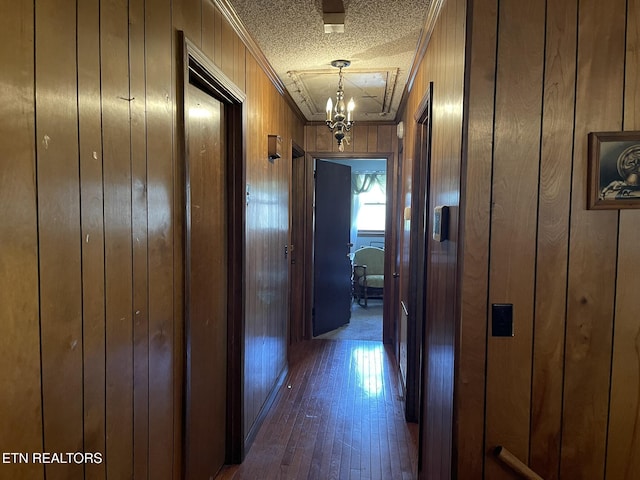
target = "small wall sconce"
x: 275, y: 147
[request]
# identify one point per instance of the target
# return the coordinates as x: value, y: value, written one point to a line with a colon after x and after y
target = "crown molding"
x: 421, y: 50
x: 229, y: 13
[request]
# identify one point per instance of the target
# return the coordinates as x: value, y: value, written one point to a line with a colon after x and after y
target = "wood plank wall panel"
x: 164, y: 415
x: 240, y: 58
x: 116, y: 147
x: 386, y: 134
x: 310, y: 139
x: 139, y: 229
x: 92, y: 235
x: 553, y: 234
x: 513, y: 224
x: 592, y: 248
x: 228, y: 39
x: 189, y: 19
x: 210, y: 31
x: 217, y: 37
x: 359, y: 135
x: 20, y: 381
x: 372, y: 138
x: 365, y: 138
x: 59, y: 232
x: 324, y: 139
x: 475, y: 225
x: 623, y: 453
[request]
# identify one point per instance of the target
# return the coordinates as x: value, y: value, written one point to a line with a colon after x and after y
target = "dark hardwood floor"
x: 337, y: 416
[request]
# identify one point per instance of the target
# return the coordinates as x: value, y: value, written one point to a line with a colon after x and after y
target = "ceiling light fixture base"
x: 340, y: 63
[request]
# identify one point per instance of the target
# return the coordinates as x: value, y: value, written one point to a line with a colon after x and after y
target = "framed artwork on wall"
x: 614, y: 170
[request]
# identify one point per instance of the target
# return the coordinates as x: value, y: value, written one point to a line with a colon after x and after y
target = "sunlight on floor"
x: 369, y: 368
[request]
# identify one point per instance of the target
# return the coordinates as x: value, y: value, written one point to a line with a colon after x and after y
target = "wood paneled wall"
x: 91, y: 257
x: 363, y: 138
x: 266, y: 317
x: 443, y: 64
x: 562, y: 393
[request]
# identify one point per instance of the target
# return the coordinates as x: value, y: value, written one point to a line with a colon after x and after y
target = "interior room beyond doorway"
x: 368, y: 214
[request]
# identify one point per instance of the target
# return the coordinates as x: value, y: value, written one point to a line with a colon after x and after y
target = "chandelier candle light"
x: 341, y: 121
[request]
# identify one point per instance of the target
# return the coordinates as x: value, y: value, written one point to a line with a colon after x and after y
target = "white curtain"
x: 362, y: 183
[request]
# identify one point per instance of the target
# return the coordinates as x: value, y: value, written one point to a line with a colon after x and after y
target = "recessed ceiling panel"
x: 371, y: 90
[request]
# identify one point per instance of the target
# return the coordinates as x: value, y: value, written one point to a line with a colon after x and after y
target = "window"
x: 373, y: 204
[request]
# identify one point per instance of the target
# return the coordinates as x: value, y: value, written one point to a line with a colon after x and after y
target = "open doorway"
x: 364, y: 208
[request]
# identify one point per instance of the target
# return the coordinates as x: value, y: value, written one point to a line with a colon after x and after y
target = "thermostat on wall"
x: 440, y: 223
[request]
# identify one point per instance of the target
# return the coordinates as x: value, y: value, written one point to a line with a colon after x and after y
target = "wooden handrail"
x: 515, y: 464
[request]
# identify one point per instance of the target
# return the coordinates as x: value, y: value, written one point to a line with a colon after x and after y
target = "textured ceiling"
x: 380, y: 39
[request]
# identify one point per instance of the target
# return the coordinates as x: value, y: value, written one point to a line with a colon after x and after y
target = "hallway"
x: 338, y: 415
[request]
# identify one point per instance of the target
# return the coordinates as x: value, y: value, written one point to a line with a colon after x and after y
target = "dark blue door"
x: 332, y: 265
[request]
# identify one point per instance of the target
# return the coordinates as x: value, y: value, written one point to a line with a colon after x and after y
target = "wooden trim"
x: 196, y: 66
x: 419, y: 240
x: 296, y: 150
x: 236, y: 180
x: 229, y: 13
x: 271, y: 398
x: 513, y: 462
x: 297, y: 219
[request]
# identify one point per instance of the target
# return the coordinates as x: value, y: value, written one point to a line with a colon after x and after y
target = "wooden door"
x: 332, y: 267
x: 206, y: 286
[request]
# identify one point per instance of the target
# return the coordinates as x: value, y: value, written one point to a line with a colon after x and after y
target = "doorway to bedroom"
x: 363, y: 252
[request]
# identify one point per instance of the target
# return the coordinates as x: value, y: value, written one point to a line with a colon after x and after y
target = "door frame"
x: 194, y: 65
x: 308, y: 248
x: 297, y: 241
x: 418, y: 248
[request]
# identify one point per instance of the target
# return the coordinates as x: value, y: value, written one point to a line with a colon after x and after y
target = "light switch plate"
x: 502, y: 320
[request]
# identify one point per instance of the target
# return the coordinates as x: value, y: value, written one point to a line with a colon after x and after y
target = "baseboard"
x: 255, y: 428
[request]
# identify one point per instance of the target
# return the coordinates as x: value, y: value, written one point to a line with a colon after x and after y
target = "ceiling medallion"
x: 339, y: 118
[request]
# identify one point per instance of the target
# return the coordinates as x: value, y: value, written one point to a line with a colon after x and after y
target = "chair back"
x: 372, y: 257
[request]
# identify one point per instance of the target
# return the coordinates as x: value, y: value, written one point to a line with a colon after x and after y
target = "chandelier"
x: 339, y: 118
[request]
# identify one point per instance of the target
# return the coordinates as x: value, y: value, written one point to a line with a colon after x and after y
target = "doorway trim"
x: 297, y: 202
x: 308, y: 247
x: 195, y: 66
x: 418, y: 249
